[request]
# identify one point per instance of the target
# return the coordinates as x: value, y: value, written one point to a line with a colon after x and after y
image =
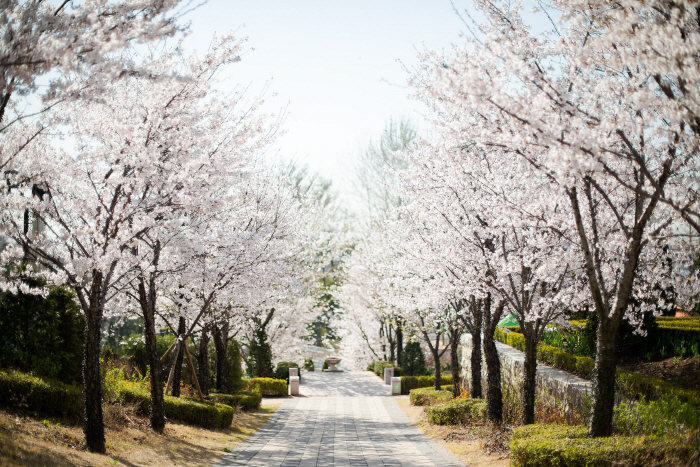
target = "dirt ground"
x: 30, y: 441
x: 681, y: 372
x: 473, y: 445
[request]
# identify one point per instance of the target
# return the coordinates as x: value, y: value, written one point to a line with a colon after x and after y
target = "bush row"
x: 560, y: 445
x: 414, y: 382
x: 208, y: 414
x: 42, y: 395
x: 428, y: 396
x: 377, y: 366
x: 268, y: 386
x: 282, y: 370
x: 247, y: 401
x: 457, y: 411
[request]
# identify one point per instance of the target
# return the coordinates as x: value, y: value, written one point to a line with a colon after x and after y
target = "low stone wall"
x: 567, y: 390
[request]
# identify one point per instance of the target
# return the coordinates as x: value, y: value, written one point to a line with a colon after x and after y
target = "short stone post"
x: 396, y: 386
x: 294, y: 385
x: 388, y: 374
x: 294, y: 372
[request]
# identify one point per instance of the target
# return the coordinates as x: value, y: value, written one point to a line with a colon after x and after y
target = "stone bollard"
x: 396, y: 386
x: 294, y: 372
x: 388, y: 374
x: 294, y: 385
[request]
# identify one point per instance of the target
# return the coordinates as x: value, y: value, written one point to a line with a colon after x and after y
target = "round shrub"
x: 282, y: 370
x: 457, y: 411
x: 309, y: 364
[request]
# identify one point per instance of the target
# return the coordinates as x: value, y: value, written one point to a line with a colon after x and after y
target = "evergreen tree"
x: 413, y: 360
x: 259, y: 363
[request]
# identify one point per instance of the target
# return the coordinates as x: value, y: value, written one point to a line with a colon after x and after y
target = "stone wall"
x: 567, y: 390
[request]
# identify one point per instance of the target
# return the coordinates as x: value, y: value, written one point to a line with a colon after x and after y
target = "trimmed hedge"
x: 247, y: 401
x: 42, y: 395
x: 428, y: 396
x: 414, y: 382
x: 268, y: 386
x: 457, y: 411
x: 559, y: 445
x: 188, y: 410
x: 378, y: 367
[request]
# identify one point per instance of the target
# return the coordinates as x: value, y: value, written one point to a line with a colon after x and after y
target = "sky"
x: 338, y: 67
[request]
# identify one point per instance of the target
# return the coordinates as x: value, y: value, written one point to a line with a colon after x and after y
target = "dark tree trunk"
x: 604, y: 374
x: 203, y: 361
x: 454, y: 359
x: 528, y: 394
x: 177, y: 376
x: 436, y: 356
x: 399, y: 343
x: 475, y: 389
x: 148, y: 309
x: 221, y: 343
x: 494, y: 394
x: 93, y: 426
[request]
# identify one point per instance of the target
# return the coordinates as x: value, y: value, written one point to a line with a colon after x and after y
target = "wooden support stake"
x: 167, y: 352
x: 194, y: 374
x: 172, y: 370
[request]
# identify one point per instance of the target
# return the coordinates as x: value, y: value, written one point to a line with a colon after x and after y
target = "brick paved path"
x: 343, y: 419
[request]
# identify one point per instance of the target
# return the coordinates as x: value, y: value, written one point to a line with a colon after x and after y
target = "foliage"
x: 308, y: 364
x: 234, y: 360
x: 428, y: 396
x: 183, y: 409
x: 559, y: 445
x: 259, y: 362
x: 413, y: 359
x: 247, y: 401
x: 457, y: 411
x: 43, y: 395
x: 43, y: 336
x: 134, y: 350
x: 414, y: 382
x: 282, y: 370
x: 379, y: 365
x: 268, y: 386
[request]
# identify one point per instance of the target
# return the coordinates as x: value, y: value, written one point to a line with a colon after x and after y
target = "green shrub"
x: 309, y: 364
x: 247, y: 401
x: 413, y: 359
x: 268, y: 386
x: 414, y: 382
x: 379, y: 366
x: 559, y: 445
x: 282, y: 370
x: 42, y: 395
x: 259, y: 362
x: 234, y: 360
x: 428, y: 396
x: 42, y: 335
x: 457, y: 411
x: 184, y: 409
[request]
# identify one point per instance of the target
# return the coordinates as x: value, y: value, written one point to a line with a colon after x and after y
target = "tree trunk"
x: 604, y: 374
x: 399, y: 343
x: 436, y: 356
x: 156, y: 369
x: 494, y: 394
x: 177, y: 377
x: 454, y: 359
x: 93, y: 426
x: 203, y: 361
x: 528, y: 394
x: 220, y: 343
x: 475, y: 389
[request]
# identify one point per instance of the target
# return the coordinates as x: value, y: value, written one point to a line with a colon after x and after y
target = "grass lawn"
x: 35, y: 441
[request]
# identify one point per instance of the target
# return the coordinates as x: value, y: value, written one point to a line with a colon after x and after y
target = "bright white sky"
x: 338, y: 64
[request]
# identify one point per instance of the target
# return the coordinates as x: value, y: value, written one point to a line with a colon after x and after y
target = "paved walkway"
x: 341, y: 419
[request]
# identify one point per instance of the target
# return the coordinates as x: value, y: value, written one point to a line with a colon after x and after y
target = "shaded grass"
x: 29, y: 441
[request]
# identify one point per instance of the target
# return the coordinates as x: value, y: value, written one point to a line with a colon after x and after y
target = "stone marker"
x: 294, y: 385
x: 396, y: 386
x: 294, y: 372
x: 388, y: 374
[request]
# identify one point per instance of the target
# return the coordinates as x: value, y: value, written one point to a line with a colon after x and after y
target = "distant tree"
x: 413, y: 360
